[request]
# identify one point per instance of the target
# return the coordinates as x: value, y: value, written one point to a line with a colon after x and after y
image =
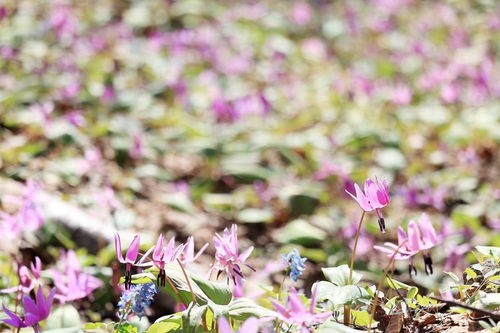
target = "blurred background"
x: 184, y: 117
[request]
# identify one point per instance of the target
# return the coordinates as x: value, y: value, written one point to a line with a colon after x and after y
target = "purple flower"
x: 374, y: 197
x: 33, y: 312
x: 227, y: 257
x: 296, y: 313
x: 28, y: 279
x: 76, y: 118
x: 421, y: 237
x: 164, y: 255
x: 130, y: 257
x: 225, y: 111
x: 251, y: 325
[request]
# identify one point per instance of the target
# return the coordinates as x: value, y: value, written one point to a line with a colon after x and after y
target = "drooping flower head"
x: 227, y: 257
x: 374, y: 197
x: 33, y: 312
x: 130, y: 257
x: 163, y: 255
x: 421, y: 237
x: 135, y: 300
x: 296, y: 312
x: 296, y: 264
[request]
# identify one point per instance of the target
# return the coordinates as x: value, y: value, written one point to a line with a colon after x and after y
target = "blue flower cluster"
x: 295, y: 264
x: 136, y: 299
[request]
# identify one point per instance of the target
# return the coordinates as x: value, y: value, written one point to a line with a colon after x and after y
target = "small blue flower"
x: 136, y: 299
x: 295, y: 264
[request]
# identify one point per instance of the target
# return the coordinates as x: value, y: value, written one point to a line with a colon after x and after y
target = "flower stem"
x: 347, y: 308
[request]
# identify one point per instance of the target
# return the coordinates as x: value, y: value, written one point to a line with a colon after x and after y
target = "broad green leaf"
x: 470, y: 273
x: 332, y: 327
x: 300, y: 232
x: 163, y: 327
x: 146, y: 277
x: 361, y: 318
x: 254, y: 215
x: 453, y: 276
x: 243, y: 308
x: 192, y: 318
x: 64, y: 317
x: 489, y: 251
x: 340, y: 275
x: 219, y: 293
x: 341, y: 295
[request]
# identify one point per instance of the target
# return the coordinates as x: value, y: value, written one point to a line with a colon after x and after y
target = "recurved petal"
x: 133, y: 250
x: 118, y: 248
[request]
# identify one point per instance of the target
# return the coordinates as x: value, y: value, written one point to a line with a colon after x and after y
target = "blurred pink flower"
x: 70, y: 282
x: 224, y: 111
x: 227, y: 257
x: 70, y: 91
x: 450, y: 92
x: 188, y: 254
x: 374, y: 197
x: 421, y: 237
x: 298, y: 314
x: 28, y: 279
x: 76, y: 118
x: 401, y: 94
x: 137, y: 149
x: 108, y: 95
x: 301, y: 12
x: 251, y: 325
x: 92, y: 159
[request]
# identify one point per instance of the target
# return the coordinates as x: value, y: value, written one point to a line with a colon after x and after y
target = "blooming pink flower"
x: 227, y: 257
x: 421, y: 237
x: 374, y: 197
x: 162, y: 256
x: 70, y: 282
x: 28, y: 279
x: 251, y: 325
x: 188, y: 255
x: 298, y: 314
x: 130, y: 257
x: 33, y: 312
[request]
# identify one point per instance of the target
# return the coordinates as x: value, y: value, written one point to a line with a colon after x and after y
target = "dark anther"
x: 253, y: 269
x: 162, y: 277
x: 412, y: 269
x: 237, y: 270
x: 218, y: 274
x: 381, y: 224
x: 428, y: 264
x: 128, y: 280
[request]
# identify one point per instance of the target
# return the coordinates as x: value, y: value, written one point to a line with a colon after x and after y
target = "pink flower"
x: 375, y: 196
x: 298, y: 314
x: 27, y: 279
x: 137, y: 150
x: 421, y: 237
x: 29, y: 217
x: 76, y: 118
x: 33, y: 312
x: 70, y: 282
x: 162, y: 256
x: 225, y: 111
x: 188, y: 255
x: 251, y: 325
x: 301, y: 12
x: 227, y: 257
x: 130, y: 257
x: 401, y: 95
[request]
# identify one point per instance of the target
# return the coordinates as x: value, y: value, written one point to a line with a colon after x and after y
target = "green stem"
x: 347, y: 308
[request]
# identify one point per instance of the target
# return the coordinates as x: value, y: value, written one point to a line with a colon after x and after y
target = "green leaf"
x: 141, y: 278
x: 489, y: 301
x: 453, y: 276
x: 65, y: 316
x: 470, y: 273
x: 333, y: 327
x: 300, y: 232
x: 192, y: 318
x: 254, y: 215
x: 361, y: 318
x: 412, y: 292
x: 126, y: 328
x: 340, y: 275
x: 303, y: 204
x: 219, y: 293
x: 163, y: 327
x: 489, y: 251
x: 341, y: 295
x: 244, y: 308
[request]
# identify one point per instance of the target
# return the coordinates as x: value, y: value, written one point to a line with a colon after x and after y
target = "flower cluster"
x: 136, y: 299
x: 296, y: 264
